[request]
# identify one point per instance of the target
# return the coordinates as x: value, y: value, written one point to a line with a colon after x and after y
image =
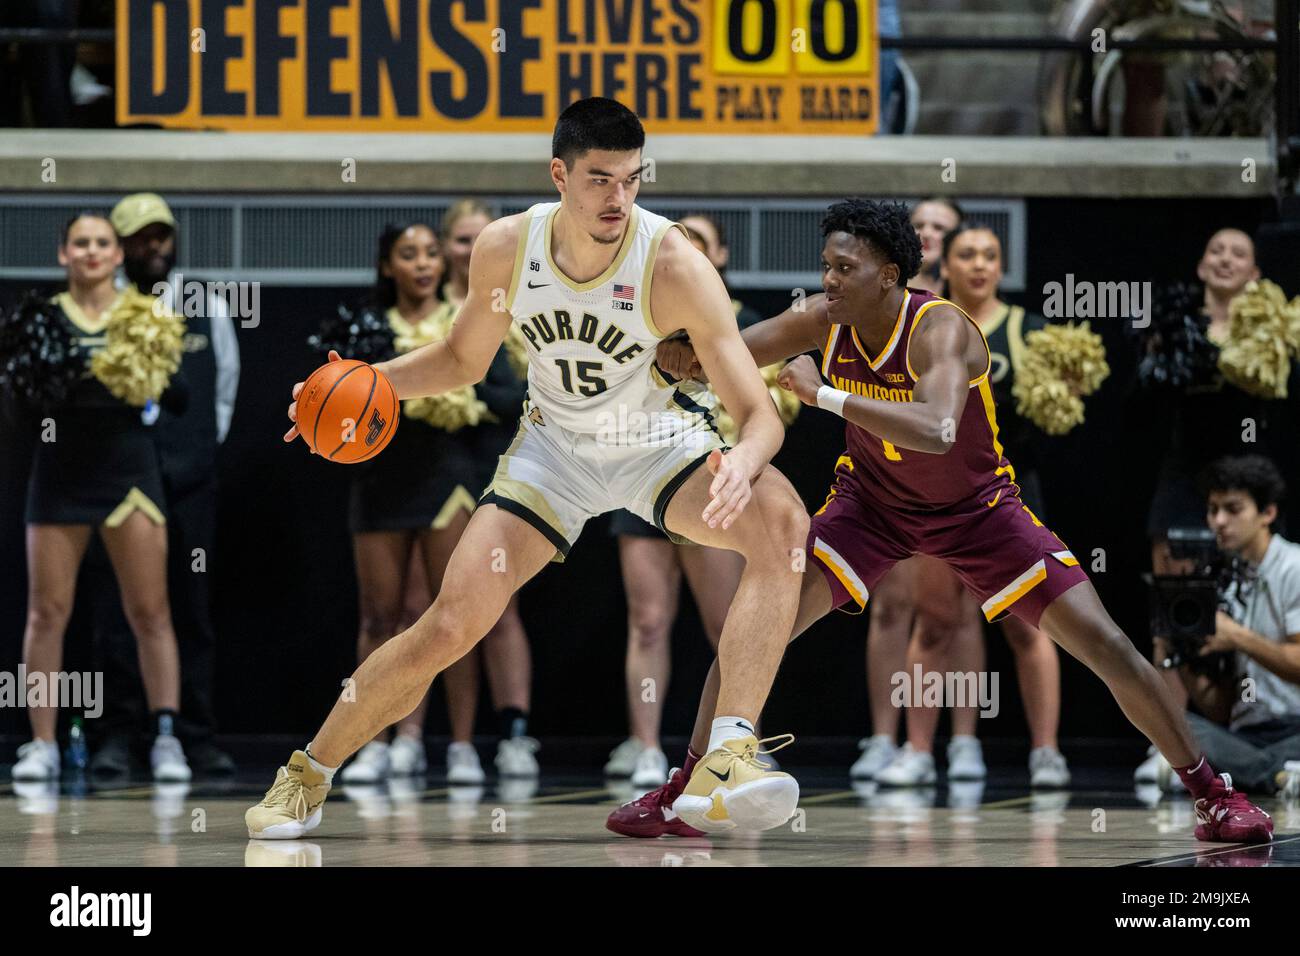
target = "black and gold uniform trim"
x: 527, y: 514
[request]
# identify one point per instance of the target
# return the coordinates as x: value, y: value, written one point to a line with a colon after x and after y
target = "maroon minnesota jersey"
x: 974, y: 469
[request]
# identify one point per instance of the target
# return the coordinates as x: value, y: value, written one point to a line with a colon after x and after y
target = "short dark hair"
x: 885, y: 226
x: 595, y: 123
x: 1253, y: 474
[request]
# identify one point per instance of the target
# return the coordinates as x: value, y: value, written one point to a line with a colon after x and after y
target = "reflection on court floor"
x: 421, y: 822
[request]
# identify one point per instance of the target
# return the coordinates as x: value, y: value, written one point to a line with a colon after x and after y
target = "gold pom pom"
x: 452, y: 410
x: 142, y: 350
x: 1061, y: 364
x: 1263, y: 335
x: 786, y: 402
x: 449, y: 411
x: 517, y: 352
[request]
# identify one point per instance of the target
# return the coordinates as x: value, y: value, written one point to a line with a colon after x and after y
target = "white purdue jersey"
x: 591, y: 345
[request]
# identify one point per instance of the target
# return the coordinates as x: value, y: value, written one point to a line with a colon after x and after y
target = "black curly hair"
x: 885, y: 226
x: 1253, y: 474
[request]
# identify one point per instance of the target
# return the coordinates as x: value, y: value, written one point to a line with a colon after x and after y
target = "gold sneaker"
x: 731, y: 788
x: 292, y: 806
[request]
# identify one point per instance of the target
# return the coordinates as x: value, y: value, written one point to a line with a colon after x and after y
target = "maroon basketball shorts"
x: 1004, y: 555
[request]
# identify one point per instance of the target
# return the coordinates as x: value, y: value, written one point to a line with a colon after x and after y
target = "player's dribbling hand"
x: 730, y: 489
x: 802, y: 378
x: 292, y: 433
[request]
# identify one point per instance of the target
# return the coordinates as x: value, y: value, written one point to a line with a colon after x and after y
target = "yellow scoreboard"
x: 685, y: 66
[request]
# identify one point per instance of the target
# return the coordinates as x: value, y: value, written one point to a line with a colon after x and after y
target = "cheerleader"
x: 410, y: 505
x: 1209, y: 410
x: 95, y: 467
x: 1218, y: 354
x: 933, y: 219
x: 949, y: 629
x: 505, y: 651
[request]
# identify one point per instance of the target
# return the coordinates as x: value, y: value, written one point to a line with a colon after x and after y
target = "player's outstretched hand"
x: 292, y: 433
x: 730, y: 489
x: 676, y: 357
x: 801, y: 377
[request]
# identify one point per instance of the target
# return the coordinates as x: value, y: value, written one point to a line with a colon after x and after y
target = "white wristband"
x: 832, y: 399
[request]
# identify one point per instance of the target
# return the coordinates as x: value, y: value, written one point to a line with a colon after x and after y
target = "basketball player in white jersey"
x: 594, y: 282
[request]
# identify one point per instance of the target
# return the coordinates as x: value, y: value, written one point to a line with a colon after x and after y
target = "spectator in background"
x: 890, y: 26
x: 1249, y: 730
x: 187, y: 434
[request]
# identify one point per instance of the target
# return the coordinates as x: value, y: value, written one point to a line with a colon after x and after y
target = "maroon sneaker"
x: 652, y: 815
x: 1226, y: 816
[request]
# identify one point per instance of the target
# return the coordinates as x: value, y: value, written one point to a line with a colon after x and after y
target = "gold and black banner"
x: 685, y: 66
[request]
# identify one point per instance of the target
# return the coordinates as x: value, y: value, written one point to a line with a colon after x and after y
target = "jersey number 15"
x: 589, y: 384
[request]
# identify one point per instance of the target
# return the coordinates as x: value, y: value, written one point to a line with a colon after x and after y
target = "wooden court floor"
x: 560, y: 822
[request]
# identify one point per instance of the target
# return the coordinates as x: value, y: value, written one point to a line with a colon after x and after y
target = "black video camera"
x: 1184, y: 606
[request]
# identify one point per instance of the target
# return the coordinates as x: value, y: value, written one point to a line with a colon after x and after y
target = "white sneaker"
x: 966, y: 759
x: 651, y: 769
x: 1288, y: 782
x: 38, y: 760
x: 1148, y: 770
x: 463, y: 767
x: 909, y: 768
x: 877, y: 752
x: 622, y: 759
x: 1168, y: 781
x: 1047, y: 769
x: 370, y: 765
x: 406, y: 756
x: 168, y: 760
x: 37, y: 797
x: 515, y: 757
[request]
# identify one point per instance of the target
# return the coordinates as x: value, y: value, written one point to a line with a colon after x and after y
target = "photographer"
x: 1251, y: 722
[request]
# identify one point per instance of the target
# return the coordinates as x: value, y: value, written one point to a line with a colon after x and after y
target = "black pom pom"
x: 1177, y: 351
x: 40, y: 358
x: 364, y: 335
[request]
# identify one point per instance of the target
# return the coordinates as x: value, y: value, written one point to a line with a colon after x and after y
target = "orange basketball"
x: 347, y: 411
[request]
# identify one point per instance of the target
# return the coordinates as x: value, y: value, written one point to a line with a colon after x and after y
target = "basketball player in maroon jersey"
x: 924, y: 473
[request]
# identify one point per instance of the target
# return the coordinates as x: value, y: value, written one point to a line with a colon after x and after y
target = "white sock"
x: 318, y: 766
x: 728, y: 728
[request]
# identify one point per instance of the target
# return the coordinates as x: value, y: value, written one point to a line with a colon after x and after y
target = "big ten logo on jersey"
x: 624, y: 297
